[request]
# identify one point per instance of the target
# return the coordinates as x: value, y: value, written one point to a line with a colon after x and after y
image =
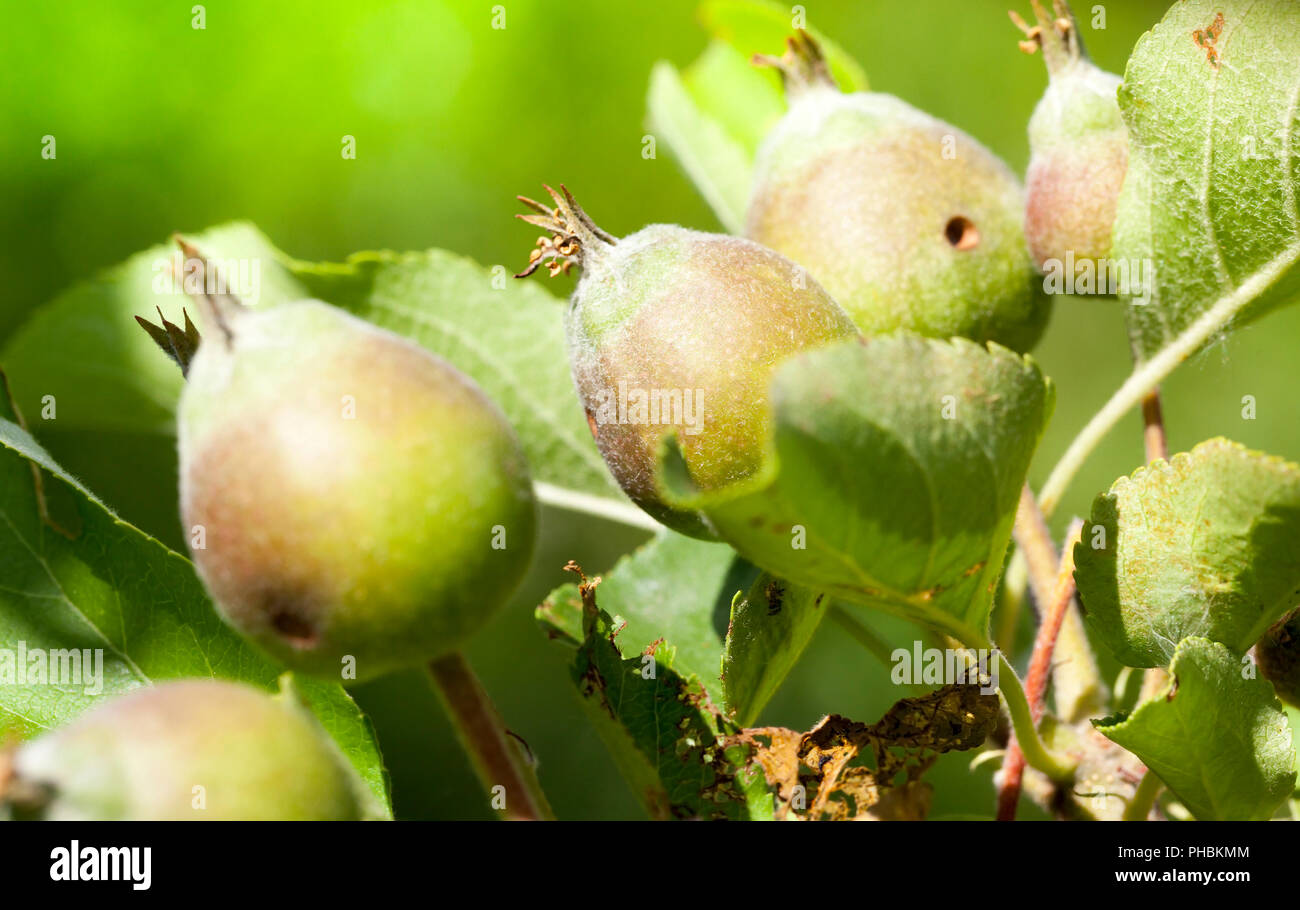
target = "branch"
x: 497, y: 755
x: 1153, y: 428
x: 1034, y: 539
x: 1040, y: 666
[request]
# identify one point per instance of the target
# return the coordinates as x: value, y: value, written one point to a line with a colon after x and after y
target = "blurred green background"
x: 163, y: 127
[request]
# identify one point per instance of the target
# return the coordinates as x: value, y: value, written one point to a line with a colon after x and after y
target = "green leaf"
x: 716, y: 162
x: 762, y: 26
x: 714, y: 114
x: 769, y: 630
x: 1219, y: 741
x: 98, y: 585
x: 729, y: 628
x: 1210, y: 198
x: 1202, y: 545
x: 86, y: 350
x: 673, y: 588
x: 892, y: 477
x: 662, y: 727
x: 685, y: 758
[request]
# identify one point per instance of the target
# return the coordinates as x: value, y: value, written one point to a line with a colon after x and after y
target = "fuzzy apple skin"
x: 140, y: 756
x: 331, y: 536
x: 1078, y: 157
x: 1278, y: 655
x: 905, y: 220
x: 671, y: 309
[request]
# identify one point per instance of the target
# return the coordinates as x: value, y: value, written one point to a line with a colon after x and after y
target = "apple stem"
x: 1058, y: 768
x: 499, y: 757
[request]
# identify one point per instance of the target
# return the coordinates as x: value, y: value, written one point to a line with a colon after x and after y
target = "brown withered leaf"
x: 685, y: 759
x: 845, y: 770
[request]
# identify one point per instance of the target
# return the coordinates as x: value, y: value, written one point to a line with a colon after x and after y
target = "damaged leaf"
x: 664, y: 731
x: 737, y: 631
x: 769, y: 629
x: 685, y: 759
x: 841, y: 770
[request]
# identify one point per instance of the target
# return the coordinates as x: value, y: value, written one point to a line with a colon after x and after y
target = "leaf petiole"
x: 1037, y: 755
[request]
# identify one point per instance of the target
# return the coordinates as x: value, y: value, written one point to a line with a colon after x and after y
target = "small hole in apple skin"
x: 296, y: 630
x: 961, y: 232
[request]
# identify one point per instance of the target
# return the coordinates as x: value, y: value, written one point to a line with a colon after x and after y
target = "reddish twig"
x: 1040, y: 667
x: 496, y: 754
x: 1153, y: 428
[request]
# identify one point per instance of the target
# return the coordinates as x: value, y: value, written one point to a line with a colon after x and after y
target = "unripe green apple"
x: 1278, y: 656
x: 907, y: 222
x: 192, y: 749
x: 353, y: 502
x: 677, y: 331
x: 1078, y: 151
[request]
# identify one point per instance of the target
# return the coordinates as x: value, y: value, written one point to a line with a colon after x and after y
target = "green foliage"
x: 770, y: 627
x: 733, y: 630
x: 650, y: 704
x: 893, y: 476
x: 1219, y: 740
x: 1210, y: 197
x: 76, y: 577
x: 1201, y: 545
x: 893, y: 470
x: 713, y: 114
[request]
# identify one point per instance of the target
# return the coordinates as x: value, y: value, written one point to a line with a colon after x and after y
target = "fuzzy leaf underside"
x: 1211, y: 199
x: 86, y: 580
x: 713, y: 114
x: 893, y: 475
x: 1219, y: 741
x: 104, y: 372
x: 1206, y: 544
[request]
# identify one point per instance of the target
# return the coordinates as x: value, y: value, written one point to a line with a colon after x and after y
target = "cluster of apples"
x: 367, y: 540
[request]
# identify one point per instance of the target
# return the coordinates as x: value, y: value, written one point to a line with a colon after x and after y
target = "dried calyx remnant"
x: 802, y: 66
x: 1057, y: 35
x: 182, y: 344
x: 571, y: 229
